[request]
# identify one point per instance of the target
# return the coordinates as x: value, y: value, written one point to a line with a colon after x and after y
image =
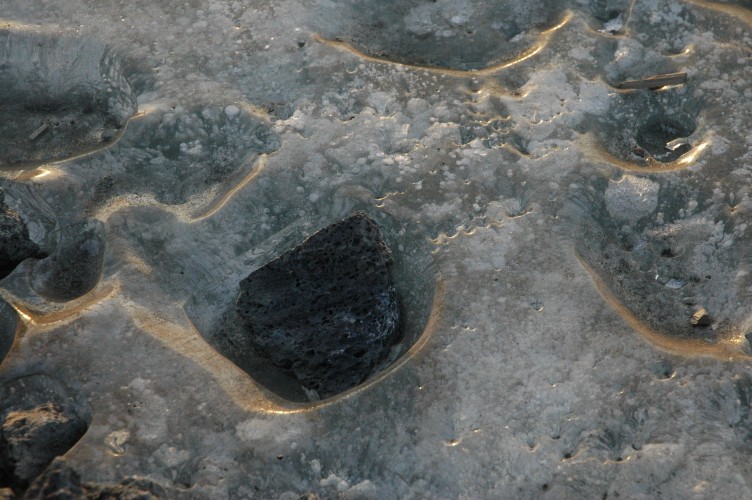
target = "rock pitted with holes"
x: 327, y: 311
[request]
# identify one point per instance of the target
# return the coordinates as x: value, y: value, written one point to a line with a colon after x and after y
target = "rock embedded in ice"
x: 58, y: 480
x: 664, y: 138
x: 613, y: 26
x: 15, y: 243
x: 39, y: 420
x: 61, y: 481
x: 34, y: 437
x: 675, y: 284
x: 631, y: 198
x: 701, y: 318
x: 327, y: 311
x: 62, y: 96
x: 74, y: 267
x: 8, y: 327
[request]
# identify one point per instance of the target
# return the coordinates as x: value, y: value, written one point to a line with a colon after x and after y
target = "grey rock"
x: 655, y: 135
x: 39, y: 420
x: 8, y: 327
x: 701, y: 318
x: 15, y: 243
x: 35, y: 436
x: 327, y: 311
x: 61, y: 482
x: 58, y: 482
x: 74, y: 267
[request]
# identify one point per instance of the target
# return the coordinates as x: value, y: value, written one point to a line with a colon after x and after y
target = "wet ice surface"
x: 572, y: 258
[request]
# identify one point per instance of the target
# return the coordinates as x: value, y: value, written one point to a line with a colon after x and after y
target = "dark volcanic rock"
x: 58, y: 482
x: 327, y: 311
x: 15, y: 244
x: 39, y: 420
x: 61, y: 482
x: 36, y: 436
x: 74, y: 267
x: 8, y: 327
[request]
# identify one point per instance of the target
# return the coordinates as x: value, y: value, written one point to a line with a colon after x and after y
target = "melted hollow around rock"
x: 327, y: 311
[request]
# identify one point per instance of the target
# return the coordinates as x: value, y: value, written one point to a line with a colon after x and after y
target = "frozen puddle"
x: 665, y: 278
x: 61, y: 96
x: 448, y: 35
x: 272, y: 324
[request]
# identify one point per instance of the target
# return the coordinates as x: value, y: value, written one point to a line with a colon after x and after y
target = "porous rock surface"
x: 8, y: 327
x: 39, y: 420
x: 60, y: 481
x: 327, y: 311
x: 74, y: 268
x: 15, y: 244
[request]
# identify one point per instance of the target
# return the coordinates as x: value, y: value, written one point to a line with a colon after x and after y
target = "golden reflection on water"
x: 199, y: 208
x: 728, y: 348
x: 179, y: 334
x: 595, y: 150
x: 65, y: 311
x: 536, y: 48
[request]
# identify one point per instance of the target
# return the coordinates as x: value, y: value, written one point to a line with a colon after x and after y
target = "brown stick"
x: 654, y: 82
x: 39, y: 131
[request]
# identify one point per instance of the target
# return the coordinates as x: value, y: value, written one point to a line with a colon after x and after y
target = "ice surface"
x: 571, y: 258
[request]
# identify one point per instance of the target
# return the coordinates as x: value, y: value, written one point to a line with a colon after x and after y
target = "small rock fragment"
x: 700, y: 318
x: 675, y: 284
x: 613, y: 26
x: 654, y: 82
x: 638, y: 151
x: 681, y: 142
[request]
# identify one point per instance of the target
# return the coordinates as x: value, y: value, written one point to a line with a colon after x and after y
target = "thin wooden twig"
x: 654, y: 82
x: 39, y: 131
